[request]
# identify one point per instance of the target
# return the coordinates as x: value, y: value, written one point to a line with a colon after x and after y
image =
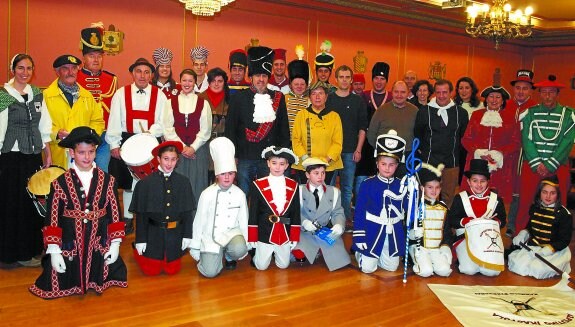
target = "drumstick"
x: 545, y: 261
x: 142, y: 127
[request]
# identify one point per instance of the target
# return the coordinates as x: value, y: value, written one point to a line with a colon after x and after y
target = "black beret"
x: 78, y: 135
x: 65, y: 60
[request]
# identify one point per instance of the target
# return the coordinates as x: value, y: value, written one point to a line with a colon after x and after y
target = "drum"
x: 38, y: 187
x: 137, y: 154
x: 484, y: 243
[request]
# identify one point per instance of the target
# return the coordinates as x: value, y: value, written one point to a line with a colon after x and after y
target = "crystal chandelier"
x: 205, y: 7
x: 498, y: 22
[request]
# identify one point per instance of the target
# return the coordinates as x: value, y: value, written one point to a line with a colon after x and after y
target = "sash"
x: 264, y: 128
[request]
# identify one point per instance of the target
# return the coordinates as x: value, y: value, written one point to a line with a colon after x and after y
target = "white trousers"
x: 264, y: 253
x: 524, y: 263
x: 467, y: 266
x: 368, y: 264
x: 429, y: 261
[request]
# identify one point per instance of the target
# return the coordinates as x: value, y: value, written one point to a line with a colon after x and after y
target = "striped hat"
x: 199, y: 53
x: 162, y: 56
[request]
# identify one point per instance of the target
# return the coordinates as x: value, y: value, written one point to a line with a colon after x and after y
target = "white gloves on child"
x: 292, y: 245
x: 522, y: 237
x: 308, y: 225
x: 336, y: 231
x: 58, y: 262
x: 361, y: 246
x: 141, y: 248
x: 195, y: 253
x: 112, y: 255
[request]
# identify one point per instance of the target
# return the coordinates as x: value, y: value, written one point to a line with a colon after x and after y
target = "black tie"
x: 316, y: 196
x: 141, y: 91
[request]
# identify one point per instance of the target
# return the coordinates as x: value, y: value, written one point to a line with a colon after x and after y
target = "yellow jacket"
x: 85, y: 112
x: 326, y: 138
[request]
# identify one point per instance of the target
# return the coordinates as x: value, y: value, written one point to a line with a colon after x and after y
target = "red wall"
x: 49, y: 28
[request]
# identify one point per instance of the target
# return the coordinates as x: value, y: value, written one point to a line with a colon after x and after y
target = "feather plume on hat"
x: 299, y: 51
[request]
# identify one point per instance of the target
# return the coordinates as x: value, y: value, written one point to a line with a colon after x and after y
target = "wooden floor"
x: 298, y: 296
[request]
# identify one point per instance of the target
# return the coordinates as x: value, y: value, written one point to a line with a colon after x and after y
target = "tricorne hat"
x: 260, y: 61
x: 390, y: 145
x: 142, y: 61
x: 78, y: 135
x: 223, y: 154
x: 276, y: 151
x: 478, y: 167
x: 497, y: 89
x: 91, y: 40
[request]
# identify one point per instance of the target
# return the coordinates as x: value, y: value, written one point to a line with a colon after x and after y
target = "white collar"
x: 14, y: 93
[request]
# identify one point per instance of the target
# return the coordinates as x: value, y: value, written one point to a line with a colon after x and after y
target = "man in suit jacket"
x: 321, y: 208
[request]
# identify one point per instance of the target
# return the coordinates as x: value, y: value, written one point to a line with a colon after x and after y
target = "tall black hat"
x: 91, y: 40
x: 260, y: 61
x: 478, y: 167
x: 298, y: 69
x: 239, y: 58
x: 380, y: 69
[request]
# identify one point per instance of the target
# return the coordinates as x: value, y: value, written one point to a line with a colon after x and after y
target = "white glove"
x: 361, y: 246
x: 418, y: 233
x: 545, y: 251
x: 446, y: 252
x: 253, y: 245
x: 186, y: 243
x: 292, y: 245
x: 195, y: 253
x: 141, y: 248
x: 308, y: 225
x: 58, y: 263
x: 112, y: 255
x: 53, y: 248
x: 336, y: 231
x: 522, y: 237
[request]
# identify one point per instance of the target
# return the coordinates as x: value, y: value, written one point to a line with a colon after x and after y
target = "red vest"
x: 145, y: 114
x: 187, y: 127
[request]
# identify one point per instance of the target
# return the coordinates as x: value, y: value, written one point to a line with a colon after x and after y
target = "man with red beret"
x: 358, y: 84
x: 547, y: 134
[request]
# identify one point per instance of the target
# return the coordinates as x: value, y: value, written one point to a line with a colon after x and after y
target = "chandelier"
x: 205, y: 7
x: 498, y: 22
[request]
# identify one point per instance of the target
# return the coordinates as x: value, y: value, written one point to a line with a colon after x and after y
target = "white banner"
x: 509, y: 305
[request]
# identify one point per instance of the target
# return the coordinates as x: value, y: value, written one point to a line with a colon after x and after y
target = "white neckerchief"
x: 263, y: 108
x: 552, y: 205
x: 163, y: 86
x: 491, y: 118
x: 278, y: 188
x: 84, y: 176
x: 442, y: 110
x: 14, y: 93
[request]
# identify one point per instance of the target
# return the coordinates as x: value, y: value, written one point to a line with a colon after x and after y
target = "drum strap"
x: 492, y: 202
x: 140, y: 113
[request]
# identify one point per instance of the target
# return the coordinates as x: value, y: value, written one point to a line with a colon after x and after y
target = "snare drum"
x: 38, y: 187
x: 137, y: 154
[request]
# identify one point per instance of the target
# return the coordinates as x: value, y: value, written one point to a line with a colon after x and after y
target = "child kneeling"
x: 321, y: 208
x: 548, y: 233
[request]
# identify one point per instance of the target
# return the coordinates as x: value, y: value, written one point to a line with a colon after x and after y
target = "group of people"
x: 282, y: 134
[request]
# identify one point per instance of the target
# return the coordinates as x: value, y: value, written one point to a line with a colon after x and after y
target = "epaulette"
x: 107, y: 72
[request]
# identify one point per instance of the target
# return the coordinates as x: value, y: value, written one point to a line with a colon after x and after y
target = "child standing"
x: 165, y: 207
x: 274, y: 221
x: 378, y: 235
x: 476, y: 206
x: 221, y: 222
x: 83, y: 230
x: 548, y: 233
x: 429, y: 246
x: 321, y: 207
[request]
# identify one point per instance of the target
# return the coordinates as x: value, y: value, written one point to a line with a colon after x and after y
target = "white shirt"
x: 140, y: 102
x: 187, y: 105
x: 84, y: 176
x: 320, y: 191
x: 203, y: 86
x: 278, y: 188
x: 44, y: 125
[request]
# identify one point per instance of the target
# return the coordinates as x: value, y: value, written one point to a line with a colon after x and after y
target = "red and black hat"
x: 177, y: 144
x: 238, y: 57
x: 524, y: 75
